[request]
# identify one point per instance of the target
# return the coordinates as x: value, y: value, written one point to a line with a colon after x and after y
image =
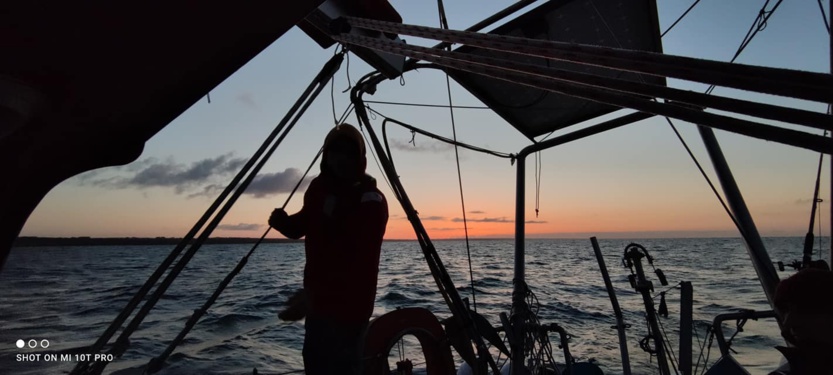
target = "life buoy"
x: 384, y: 331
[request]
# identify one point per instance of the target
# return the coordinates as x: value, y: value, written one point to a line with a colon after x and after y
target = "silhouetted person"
x: 805, y: 303
x: 343, y: 218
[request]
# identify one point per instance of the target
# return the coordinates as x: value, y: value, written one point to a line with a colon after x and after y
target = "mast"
x: 754, y: 245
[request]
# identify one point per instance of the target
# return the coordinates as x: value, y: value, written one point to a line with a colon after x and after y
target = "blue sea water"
x: 68, y: 296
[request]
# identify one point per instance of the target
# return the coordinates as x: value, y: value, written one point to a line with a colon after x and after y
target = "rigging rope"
x: 538, y: 168
x: 347, y: 71
x: 444, y: 24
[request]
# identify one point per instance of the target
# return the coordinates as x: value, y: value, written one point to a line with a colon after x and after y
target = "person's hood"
x: 348, y: 133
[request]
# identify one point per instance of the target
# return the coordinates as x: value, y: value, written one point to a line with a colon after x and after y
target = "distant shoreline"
x: 129, y: 241
x: 32, y: 241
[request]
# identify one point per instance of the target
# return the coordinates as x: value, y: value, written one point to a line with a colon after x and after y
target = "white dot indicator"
x: 33, y: 343
x: 20, y: 344
x: 44, y: 343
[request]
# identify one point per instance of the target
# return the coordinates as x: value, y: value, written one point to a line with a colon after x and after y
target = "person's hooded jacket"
x: 344, y: 221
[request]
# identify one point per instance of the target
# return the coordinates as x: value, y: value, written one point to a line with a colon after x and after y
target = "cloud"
x: 495, y: 220
x: 279, y: 182
x: 444, y: 228
x: 427, y: 218
x: 248, y: 100
x: 93, y: 176
x: 477, y: 212
x: 240, y: 226
x: 430, y: 146
x: 802, y: 202
x: 154, y: 173
x: 208, y: 191
x: 484, y: 220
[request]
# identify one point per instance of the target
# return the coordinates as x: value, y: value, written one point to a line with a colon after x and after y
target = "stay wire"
x: 702, y: 346
x: 227, y: 280
x: 444, y: 24
x: 236, y: 189
x: 760, y: 21
x: 824, y: 17
x: 679, y: 136
x: 157, y: 361
x: 667, y: 346
x: 681, y: 18
x: 708, y: 180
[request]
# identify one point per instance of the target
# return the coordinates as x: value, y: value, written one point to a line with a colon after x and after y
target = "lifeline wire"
x: 424, y: 105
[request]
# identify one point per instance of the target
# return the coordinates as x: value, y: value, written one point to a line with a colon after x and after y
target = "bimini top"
x: 629, y: 24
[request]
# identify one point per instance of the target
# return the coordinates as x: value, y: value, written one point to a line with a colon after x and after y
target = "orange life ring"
x: 384, y: 331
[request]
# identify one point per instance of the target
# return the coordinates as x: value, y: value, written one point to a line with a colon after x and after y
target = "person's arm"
x: 295, y: 226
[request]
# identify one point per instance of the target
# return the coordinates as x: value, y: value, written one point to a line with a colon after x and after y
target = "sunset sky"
x: 635, y: 181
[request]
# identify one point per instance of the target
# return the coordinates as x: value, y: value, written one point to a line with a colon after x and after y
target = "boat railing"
x: 741, y: 318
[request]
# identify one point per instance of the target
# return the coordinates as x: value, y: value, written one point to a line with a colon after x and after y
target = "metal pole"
x: 586, y: 132
x: 519, y: 291
x: 620, y: 321
x: 754, y: 245
x: 686, y: 323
